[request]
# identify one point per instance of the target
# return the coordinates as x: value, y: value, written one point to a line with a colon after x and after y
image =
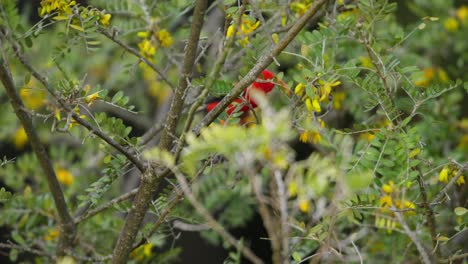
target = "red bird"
x: 262, y: 84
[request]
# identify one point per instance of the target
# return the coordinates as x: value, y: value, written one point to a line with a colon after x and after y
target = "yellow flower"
x: 143, y: 34
x: 62, y: 7
x: 461, y: 180
x: 310, y: 136
x: 408, y: 205
x: 300, y: 7
x: 326, y: 88
x: 338, y: 98
x: 292, y: 189
x: 164, y: 38
x: 313, y: 105
x: 462, y: 13
x: 104, y: 19
x: 299, y: 90
x: 142, y: 252
x: 443, y: 175
x: 386, y: 201
x: 405, y: 204
x: 248, y: 25
x: 32, y: 98
x: 366, y: 62
x: 52, y: 234
x: 275, y: 38
x: 388, y: 187
x: 20, y: 138
x: 367, y: 136
x: 65, y: 177
x: 147, y: 49
x: 230, y: 31
x: 321, y: 123
x: 451, y: 24
x: 429, y: 74
x: 89, y: 99
x: 244, y: 41
x: 304, y: 205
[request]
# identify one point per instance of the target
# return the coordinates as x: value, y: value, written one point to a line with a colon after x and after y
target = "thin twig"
x: 88, y: 259
x: 27, y: 249
x: 137, y: 54
x: 413, y: 237
x: 106, y: 206
x: 454, y: 257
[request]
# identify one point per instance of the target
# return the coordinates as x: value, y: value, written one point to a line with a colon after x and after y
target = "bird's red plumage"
x: 262, y: 85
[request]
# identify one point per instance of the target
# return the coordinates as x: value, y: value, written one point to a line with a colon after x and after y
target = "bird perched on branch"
x: 243, y: 104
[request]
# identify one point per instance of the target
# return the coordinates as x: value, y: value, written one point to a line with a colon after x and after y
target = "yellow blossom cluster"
x: 387, y: 201
x: 316, y: 95
x: 89, y: 97
x: 300, y: 7
x: 58, y: 116
x: 62, y: 7
x: 150, y: 41
x: 52, y: 234
x: 164, y: 38
x: 430, y: 75
x: 448, y: 172
x: 452, y: 24
x: 64, y: 176
x: 142, y: 252
x: 247, y: 27
x: 32, y: 96
x: 312, y: 135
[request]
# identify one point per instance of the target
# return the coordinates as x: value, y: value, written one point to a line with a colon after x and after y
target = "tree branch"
x: 150, y: 178
x: 430, y: 218
x: 67, y: 228
x: 106, y: 206
x: 413, y: 237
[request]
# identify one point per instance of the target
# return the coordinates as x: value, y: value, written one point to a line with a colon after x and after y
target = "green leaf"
x: 296, y: 256
x: 460, y: 211
x: 358, y: 180
x: 4, y: 195
x: 117, y: 96
x: 13, y: 255
x: 18, y: 238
